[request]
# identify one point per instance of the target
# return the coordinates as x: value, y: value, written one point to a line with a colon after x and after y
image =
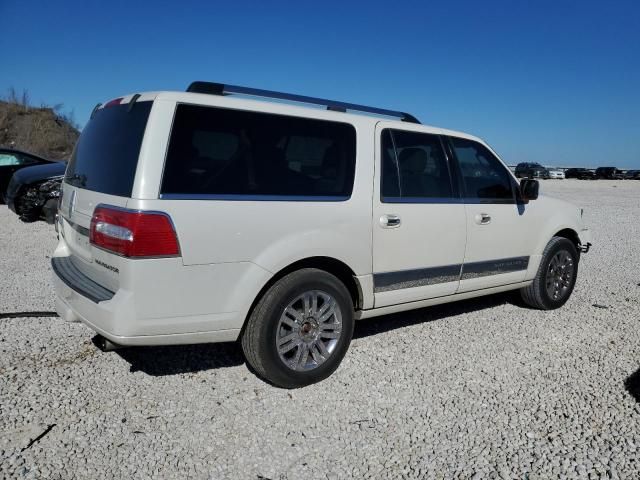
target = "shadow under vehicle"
x: 33, y: 192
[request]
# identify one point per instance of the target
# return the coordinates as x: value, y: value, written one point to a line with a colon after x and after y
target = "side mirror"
x: 529, y: 189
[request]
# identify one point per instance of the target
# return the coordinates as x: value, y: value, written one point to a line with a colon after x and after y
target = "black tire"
x: 260, y: 334
x: 538, y: 295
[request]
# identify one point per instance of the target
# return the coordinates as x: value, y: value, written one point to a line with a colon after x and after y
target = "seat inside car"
x: 421, y: 175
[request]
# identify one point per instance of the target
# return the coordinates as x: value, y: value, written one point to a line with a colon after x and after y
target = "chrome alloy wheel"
x: 308, y: 330
x: 559, y: 275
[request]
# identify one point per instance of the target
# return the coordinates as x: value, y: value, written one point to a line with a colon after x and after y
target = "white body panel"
x: 430, y: 235
x: 272, y: 234
x: 231, y: 249
x: 484, y: 245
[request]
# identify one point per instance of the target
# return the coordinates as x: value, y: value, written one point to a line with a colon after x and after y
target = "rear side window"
x: 106, y: 155
x: 240, y: 154
x: 484, y: 176
x: 414, y: 167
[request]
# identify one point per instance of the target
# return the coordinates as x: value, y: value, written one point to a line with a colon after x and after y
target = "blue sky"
x: 551, y: 81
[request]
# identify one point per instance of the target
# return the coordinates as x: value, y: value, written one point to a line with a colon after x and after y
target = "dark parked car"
x: 33, y: 192
x: 11, y: 161
x: 581, y: 173
x: 531, y: 170
x: 632, y: 175
x: 609, y: 173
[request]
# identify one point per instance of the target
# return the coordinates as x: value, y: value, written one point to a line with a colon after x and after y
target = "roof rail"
x: 212, y: 88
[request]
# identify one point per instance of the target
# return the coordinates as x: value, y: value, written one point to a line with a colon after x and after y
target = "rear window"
x: 106, y: 155
x: 246, y: 155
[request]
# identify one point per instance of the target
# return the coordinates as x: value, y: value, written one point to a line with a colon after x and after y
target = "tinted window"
x: 27, y: 160
x: 218, y: 151
x: 413, y: 166
x: 483, y: 174
x: 106, y: 155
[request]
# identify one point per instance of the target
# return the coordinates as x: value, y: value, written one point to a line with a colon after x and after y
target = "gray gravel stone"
x: 479, y: 389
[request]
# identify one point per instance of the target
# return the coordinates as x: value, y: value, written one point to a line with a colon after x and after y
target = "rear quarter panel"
x: 269, y: 234
x: 274, y: 234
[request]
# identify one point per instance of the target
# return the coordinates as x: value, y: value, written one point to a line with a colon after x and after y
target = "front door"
x: 499, y: 230
x: 419, y: 225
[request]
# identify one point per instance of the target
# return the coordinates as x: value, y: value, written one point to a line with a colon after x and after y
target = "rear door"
x: 101, y: 170
x: 419, y: 227
x: 500, y: 230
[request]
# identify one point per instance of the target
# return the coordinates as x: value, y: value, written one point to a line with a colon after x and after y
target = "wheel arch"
x: 339, y: 269
x: 570, y: 234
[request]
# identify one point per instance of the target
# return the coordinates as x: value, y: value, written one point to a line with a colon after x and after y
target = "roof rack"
x: 212, y: 88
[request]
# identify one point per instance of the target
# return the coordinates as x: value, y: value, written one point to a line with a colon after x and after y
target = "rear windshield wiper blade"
x: 77, y: 180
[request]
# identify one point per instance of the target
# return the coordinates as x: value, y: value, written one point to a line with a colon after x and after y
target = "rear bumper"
x: 73, y: 278
x: 123, y: 317
x: 69, y: 314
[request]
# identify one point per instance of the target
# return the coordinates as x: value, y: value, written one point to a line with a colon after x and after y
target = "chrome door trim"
x: 494, y: 267
x: 388, y: 281
x: 420, y: 277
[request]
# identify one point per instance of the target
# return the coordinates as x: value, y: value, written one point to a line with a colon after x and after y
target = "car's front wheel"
x: 300, y: 329
x: 556, y: 276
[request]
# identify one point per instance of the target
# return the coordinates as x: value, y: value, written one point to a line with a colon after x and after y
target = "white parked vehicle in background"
x: 203, y: 216
x: 556, y: 174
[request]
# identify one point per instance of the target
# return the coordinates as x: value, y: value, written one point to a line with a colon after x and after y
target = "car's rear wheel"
x: 300, y: 329
x: 556, y: 276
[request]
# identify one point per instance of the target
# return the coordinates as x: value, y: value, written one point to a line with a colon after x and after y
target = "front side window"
x: 414, y: 167
x: 223, y: 152
x: 483, y: 175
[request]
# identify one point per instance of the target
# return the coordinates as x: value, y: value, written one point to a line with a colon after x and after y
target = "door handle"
x: 390, y: 221
x: 483, y: 218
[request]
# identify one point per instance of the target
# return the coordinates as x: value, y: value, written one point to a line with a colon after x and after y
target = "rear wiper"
x: 77, y: 180
x: 133, y: 101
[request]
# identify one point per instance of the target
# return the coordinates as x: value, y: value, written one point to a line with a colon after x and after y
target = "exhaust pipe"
x: 105, y: 345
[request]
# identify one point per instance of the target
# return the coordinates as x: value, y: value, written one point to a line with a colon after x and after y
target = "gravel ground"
x: 479, y: 389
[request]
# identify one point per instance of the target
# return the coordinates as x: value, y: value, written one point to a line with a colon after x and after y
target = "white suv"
x: 207, y: 216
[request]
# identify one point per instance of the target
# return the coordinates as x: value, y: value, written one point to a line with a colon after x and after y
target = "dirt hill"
x: 40, y: 130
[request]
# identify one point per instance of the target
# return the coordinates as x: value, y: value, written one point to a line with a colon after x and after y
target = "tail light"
x: 133, y: 233
x: 113, y: 103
